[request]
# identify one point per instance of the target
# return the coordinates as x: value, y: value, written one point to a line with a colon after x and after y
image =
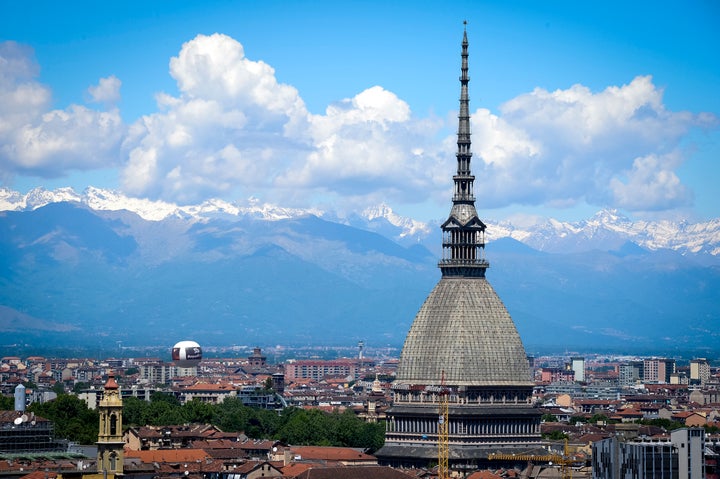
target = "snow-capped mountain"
x: 98, y: 267
x: 152, y: 210
x: 608, y: 230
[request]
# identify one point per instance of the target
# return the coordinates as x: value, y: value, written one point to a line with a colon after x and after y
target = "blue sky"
x: 576, y: 106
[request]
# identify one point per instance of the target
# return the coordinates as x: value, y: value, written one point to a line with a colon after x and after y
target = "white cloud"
x: 651, y: 184
x: 21, y: 97
x: 233, y: 127
x: 106, y: 91
x: 362, y: 144
x: 215, y: 68
x: 42, y: 142
x: 567, y: 146
x: 234, y: 131
x: 75, y: 138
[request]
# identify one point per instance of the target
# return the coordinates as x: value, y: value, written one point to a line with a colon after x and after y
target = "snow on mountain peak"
x: 606, y: 230
x: 409, y: 226
x: 151, y: 210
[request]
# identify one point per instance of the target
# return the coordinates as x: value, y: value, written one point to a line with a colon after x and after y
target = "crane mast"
x: 443, y: 430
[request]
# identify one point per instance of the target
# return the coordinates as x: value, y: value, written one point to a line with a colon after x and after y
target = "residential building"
x: 658, y: 370
x: 577, y: 364
x: 699, y: 371
x: 157, y: 372
x: 630, y: 374
x: 318, y: 369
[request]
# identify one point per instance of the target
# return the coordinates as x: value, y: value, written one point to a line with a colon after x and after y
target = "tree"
x: 80, y: 387
x: 577, y: 419
x: 7, y: 403
x: 198, y: 412
x: 72, y: 418
x: 232, y: 415
x: 666, y: 424
x: 345, y: 428
x: 555, y: 435
x: 372, y: 436
x: 549, y: 418
x: 596, y: 418
x: 304, y: 427
x: 134, y: 411
x: 59, y: 388
x: 263, y: 423
x: 169, y: 398
x: 163, y: 413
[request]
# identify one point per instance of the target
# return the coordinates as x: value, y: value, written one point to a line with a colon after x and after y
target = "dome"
x: 464, y: 330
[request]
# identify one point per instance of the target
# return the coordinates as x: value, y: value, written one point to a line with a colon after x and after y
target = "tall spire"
x: 463, y: 232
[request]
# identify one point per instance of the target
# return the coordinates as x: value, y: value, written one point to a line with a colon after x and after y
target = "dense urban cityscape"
x: 586, y: 402
x: 464, y: 397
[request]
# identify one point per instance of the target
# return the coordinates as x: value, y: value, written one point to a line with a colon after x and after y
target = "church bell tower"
x: 110, y: 436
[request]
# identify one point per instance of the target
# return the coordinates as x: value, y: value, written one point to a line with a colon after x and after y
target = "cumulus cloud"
x: 233, y: 130
x: 362, y: 141
x: 106, y: 91
x: 21, y: 98
x: 42, y: 142
x: 618, y: 147
x: 650, y: 184
x: 233, y: 127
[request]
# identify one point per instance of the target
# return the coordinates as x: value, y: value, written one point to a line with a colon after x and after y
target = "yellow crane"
x: 443, y: 430
x: 563, y: 460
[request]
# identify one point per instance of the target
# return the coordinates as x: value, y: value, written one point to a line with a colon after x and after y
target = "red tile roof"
x: 353, y: 472
x: 40, y: 475
x: 483, y: 475
x: 169, y: 455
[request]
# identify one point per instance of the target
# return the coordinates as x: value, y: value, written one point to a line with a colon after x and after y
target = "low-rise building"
x: 681, y: 456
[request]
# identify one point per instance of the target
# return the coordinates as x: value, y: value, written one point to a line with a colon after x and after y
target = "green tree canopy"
x: 292, y: 425
x: 72, y: 418
x: 7, y: 403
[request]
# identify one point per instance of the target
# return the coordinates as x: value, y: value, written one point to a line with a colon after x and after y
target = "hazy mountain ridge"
x: 607, y: 230
x: 73, y: 274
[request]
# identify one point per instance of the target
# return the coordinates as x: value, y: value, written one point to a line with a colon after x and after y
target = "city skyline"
x: 574, y: 108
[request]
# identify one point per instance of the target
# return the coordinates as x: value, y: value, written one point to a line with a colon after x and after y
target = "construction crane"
x: 443, y: 430
x: 563, y: 460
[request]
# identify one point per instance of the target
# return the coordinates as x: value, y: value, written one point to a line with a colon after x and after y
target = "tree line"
x: 303, y: 427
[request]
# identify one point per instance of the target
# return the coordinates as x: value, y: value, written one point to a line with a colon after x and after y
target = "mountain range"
x: 97, y: 267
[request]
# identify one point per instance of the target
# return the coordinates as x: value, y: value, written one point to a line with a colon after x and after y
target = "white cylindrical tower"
x: 20, y: 397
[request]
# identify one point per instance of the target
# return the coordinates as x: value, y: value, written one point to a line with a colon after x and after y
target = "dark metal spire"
x: 463, y: 232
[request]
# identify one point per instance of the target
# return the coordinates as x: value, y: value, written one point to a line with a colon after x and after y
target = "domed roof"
x: 464, y: 330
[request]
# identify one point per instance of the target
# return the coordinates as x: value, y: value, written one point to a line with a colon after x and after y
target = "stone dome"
x: 464, y: 330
